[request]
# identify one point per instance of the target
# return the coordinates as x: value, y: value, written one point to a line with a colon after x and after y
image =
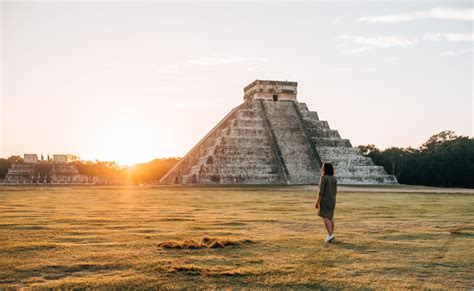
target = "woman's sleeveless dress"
x: 327, y: 191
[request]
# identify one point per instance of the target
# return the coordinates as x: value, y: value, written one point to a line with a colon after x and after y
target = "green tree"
x: 439, y: 138
x: 4, y: 166
x: 444, y: 160
x: 15, y: 159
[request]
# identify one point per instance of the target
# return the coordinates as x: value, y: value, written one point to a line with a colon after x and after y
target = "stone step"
x: 248, y: 113
x: 258, y: 135
x: 285, y: 123
x: 353, y: 158
x: 246, y: 118
x: 310, y: 115
x: 247, y: 131
x: 364, y: 180
x: 243, y: 155
x: 234, y: 175
x: 302, y: 107
x: 235, y: 169
x: 323, y: 133
x: 221, y: 143
x: 313, y: 122
x: 242, y: 150
x: 239, y: 166
x: 314, y: 126
x: 244, y: 160
x: 245, y: 141
x: 357, y: 166
x: 360, y: 171
x: 240, y: 179
x: 347, y: 161
x: 278, y: 107
x: 337, y: 151
x: 341, y: 161
x: 331, y: 142
x: 249, y: 122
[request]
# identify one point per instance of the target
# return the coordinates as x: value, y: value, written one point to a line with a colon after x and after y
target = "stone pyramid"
x: 272, y: 138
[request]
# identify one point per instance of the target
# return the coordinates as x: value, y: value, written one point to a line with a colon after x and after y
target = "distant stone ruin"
x: 50, y: 171
x: 272, y: 138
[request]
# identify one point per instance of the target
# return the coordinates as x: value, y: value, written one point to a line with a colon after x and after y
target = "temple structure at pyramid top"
x: 271, y: 91
x: 271, y: 138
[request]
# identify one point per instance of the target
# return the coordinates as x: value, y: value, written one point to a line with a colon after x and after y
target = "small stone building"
x: 30, y: 158
x: 60, y: 159
x: 272, y: 138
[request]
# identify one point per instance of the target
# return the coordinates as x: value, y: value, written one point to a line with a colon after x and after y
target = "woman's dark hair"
x: 328, y: 169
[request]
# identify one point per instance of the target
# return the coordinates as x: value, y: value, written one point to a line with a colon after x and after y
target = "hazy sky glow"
x: 136, y: 81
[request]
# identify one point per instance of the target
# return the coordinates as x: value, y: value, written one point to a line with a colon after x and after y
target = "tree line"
x: 139, y: 173
x: 444, y: 160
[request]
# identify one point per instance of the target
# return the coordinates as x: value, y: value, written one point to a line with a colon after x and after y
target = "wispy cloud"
x: 211, y: 60
x: 440, y: 13
x: 356, y: 50
x: 216, y: 60
x: 380, y: 41
x: 362, y: 44
x: 449, y: 36
x: 369, y: 43
x: 456, y: 53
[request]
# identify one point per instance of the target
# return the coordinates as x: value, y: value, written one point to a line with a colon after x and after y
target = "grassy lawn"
x: 231, y: 237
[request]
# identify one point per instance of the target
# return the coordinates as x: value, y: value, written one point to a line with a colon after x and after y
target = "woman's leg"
x: 332, y: 225
x: 327, y: 224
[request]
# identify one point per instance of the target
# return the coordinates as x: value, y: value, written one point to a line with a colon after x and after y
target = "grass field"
x: 230, y: 237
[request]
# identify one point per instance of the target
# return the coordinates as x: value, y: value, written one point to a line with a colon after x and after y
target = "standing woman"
x: 327, y: 199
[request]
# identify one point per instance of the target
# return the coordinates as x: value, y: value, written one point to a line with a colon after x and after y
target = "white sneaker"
x: 329, y: 238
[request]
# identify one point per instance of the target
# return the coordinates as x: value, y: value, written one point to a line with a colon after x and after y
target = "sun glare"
x: 127, y: 140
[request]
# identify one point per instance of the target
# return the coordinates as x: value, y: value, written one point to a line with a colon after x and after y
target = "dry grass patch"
x: 206, y: 242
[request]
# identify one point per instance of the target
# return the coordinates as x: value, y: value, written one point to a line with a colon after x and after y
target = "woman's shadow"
x: 337, y: 243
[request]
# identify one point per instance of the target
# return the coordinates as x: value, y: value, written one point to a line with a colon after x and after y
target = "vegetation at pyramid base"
x: 445, y: 160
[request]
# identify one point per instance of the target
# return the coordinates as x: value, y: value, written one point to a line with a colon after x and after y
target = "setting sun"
x: 126, y: 139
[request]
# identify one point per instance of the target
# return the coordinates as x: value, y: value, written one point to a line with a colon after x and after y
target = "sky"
x: 131, y: 82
